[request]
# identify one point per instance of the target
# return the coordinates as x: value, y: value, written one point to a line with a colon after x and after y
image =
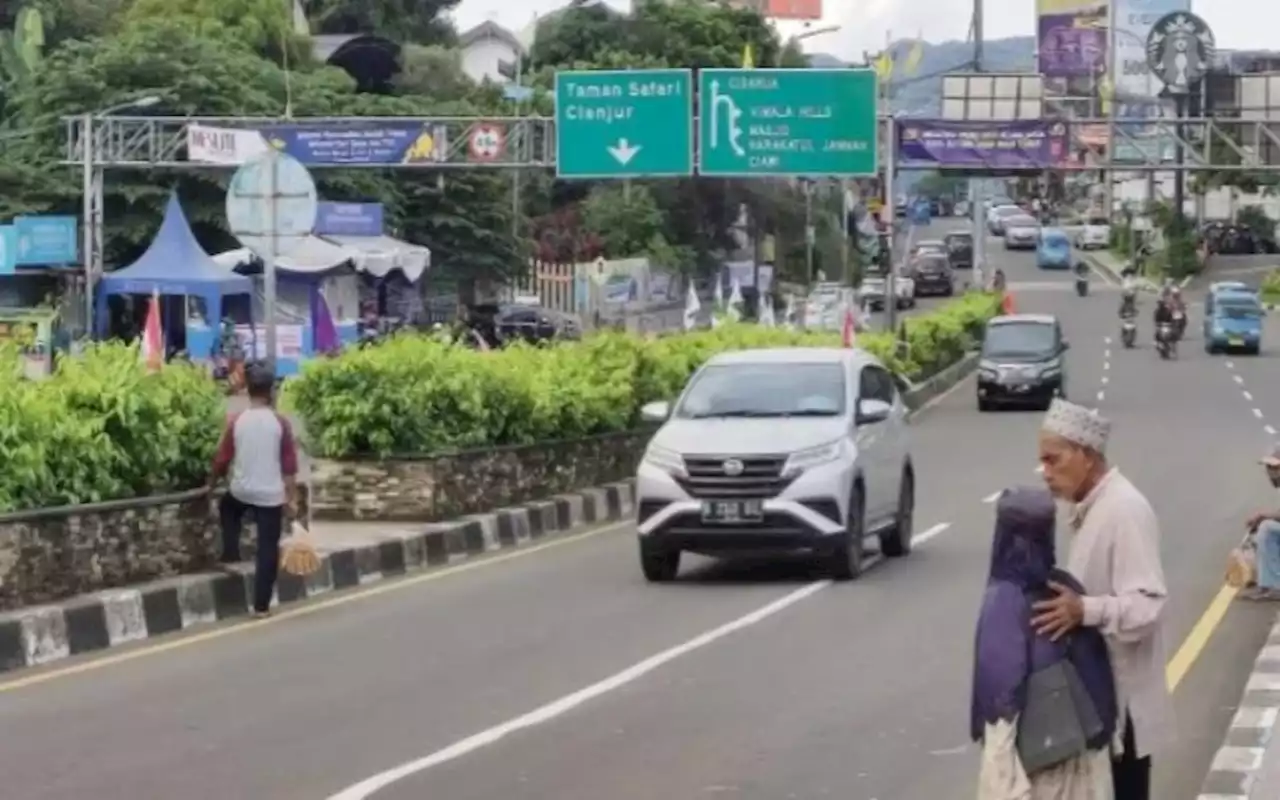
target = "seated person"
x: 1265, y: 527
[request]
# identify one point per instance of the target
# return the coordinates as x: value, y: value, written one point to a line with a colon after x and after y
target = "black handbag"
x: 1059, y: 720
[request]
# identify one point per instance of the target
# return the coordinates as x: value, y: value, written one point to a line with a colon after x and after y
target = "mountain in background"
x: 920, y: 94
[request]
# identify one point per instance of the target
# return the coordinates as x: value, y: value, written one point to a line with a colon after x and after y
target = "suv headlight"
x: 988, y: 370
x: 668, y: 461
x: 1218, y: 330
x: 1051, y: 369
x: 813, y: 457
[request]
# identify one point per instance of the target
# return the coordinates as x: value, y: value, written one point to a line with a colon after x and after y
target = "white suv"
x: 784, y: 450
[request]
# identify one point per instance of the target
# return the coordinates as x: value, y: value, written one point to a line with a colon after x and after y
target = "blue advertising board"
x: 47, y: 241
x: 8, y: 249
x: 349, y: 219
x: 380, y: 142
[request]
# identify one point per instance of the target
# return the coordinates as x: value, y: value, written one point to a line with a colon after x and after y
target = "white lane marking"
x: 1238, y: 379
x: 1105, y: 380
x: 1270, y: 430
x: 1231, y: 365
x: 1247, y: 396
x: 1101, y: 395
x: 1257, y: 412
x: 562, y: 706
x: 1107, y: 356
x: 1106, y: 340
x: 991, y: 498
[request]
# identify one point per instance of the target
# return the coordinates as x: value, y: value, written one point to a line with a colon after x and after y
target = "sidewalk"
x: 1247, y: 766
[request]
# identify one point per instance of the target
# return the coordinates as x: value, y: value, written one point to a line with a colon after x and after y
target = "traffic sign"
x: 46, y: 241
x: 272, y: 204
x: 624, y: 124
x: 8, y: 249
x: 488, y: 143
x: 797, y: 122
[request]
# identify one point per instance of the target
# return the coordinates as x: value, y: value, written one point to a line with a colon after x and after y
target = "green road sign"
x: 624, y: 124
x: 815, y: 122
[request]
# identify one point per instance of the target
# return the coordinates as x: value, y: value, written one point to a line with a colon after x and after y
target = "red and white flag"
x: 849, y: 332
x: 153, y: 337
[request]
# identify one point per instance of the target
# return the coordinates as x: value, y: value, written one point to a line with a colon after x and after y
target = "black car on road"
x: 1023, y: 362
x: 932, y: 275
x: 960, y: 250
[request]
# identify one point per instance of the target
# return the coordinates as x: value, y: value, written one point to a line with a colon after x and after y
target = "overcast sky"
x: 1237, y: 24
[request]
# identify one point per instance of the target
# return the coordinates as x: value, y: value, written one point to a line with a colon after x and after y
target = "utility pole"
x: 977, y: 35
x: 975, y: 196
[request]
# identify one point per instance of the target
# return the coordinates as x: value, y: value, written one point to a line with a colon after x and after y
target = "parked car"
x: 1021, y: 232
x: 960, y: 250
x: 1094, y: 234
x: 1234, y: 323
x: 1053, y: 250
x: 933, y: 275
x: 1023, y: 362
x: 779, y: 450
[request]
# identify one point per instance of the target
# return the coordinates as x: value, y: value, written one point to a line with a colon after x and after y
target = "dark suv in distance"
x: 932, y: 275
x: 1023, y: 362
x: 960, y: 250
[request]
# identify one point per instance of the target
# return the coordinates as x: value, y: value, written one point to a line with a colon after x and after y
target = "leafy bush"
x: 1270, y: 288
x: 101, y: 428
x: 416, y: 395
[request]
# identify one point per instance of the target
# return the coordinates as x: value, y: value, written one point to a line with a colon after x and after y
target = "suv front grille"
x: 761, y: 477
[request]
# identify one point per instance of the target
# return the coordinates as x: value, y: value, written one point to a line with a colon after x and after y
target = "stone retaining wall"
x: 450, y: 485
x: 53, y: 553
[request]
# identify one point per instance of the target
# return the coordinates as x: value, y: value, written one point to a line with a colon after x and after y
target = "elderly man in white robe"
x: 1115, y: 554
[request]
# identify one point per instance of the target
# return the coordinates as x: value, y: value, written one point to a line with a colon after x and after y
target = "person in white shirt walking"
x: 1115, y: 554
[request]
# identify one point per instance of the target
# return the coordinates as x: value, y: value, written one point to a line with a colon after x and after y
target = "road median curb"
x: 1248, y: 763
x: 919, y: 397
x: 40, y: 635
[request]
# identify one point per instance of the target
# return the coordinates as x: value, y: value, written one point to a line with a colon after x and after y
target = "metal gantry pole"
x: 1108, y: 176
x: 88, y: 221
x: 808, y: 229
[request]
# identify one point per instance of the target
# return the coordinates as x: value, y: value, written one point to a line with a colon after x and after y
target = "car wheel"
x: 1254, y: 350
x: 659, y: 564
x: 897, y: 541
x: 845, y: 562
x: 1208, y: 347
x: 984, y: 405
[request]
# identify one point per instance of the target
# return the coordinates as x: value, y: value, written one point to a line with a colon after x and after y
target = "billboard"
x: 984, y: 145
x: 1071, y: 37
x: 1137, y: 89
x: 330, y: 143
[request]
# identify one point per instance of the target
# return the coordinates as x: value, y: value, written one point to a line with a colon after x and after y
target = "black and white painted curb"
x: 1235, y: 768
x: 42, y: 635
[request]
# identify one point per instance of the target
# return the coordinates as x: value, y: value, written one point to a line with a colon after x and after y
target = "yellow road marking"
x: 393, y: 585
x: 1198, y: 638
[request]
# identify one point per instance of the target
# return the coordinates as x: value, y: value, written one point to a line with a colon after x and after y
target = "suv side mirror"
x: 657, y: 411
x: 872, y: 411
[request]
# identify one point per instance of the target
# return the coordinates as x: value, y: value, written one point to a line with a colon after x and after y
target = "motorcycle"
x: 1166, y: 345
x: 1128, y: 332
x: 1082, y: 286
x: 1179, y: 325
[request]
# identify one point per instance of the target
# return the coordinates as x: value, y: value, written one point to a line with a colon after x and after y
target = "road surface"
x: 752, y: 682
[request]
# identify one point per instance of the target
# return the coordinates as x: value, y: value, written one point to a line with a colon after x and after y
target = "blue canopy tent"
x: 174, y: 264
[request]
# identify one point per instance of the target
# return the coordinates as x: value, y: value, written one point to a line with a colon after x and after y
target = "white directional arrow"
x: 624, y: 152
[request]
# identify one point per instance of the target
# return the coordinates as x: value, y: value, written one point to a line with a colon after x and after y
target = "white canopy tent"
x: 380, y: 255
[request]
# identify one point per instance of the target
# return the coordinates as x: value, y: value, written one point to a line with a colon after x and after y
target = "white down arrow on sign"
x: 623, y: 151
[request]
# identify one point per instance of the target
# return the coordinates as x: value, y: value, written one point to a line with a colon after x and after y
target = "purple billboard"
x: 1072, y: 45
x: 983, y: 145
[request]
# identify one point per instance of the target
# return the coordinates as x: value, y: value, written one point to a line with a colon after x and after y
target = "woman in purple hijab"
x: 1007, y: 651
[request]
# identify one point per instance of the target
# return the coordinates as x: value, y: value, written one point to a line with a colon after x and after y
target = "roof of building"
x: 490, y: 30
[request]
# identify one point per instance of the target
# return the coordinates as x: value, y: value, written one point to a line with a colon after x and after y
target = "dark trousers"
x: 270, y: 522
x: 1131, y: 775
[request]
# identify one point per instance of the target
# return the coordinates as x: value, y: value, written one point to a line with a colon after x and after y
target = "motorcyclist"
x: 1129, y: 303
x: 1164, y: 313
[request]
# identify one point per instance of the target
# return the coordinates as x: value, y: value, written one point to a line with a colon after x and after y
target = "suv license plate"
x: 731, y: 511
x: 1236, y: 341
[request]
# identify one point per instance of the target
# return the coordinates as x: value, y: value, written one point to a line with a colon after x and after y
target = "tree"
x: 266, y: 26
x: 418, y: 21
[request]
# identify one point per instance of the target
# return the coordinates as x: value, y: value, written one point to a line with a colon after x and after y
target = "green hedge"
x: 101, y: 428
x: 415, y: 395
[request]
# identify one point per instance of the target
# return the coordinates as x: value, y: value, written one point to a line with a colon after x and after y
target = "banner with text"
x: 1071, y: 37
x: 983, y: 145
x: 349, y: 219
x: 375, y: 142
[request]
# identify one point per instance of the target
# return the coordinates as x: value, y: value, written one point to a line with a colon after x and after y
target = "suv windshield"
x: 1019, y: 339
x: 766, y: 390
x: 959, y: 241
x: 1239, y: 309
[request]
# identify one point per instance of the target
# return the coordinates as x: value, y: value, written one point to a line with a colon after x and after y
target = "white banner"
x: 228, y: 146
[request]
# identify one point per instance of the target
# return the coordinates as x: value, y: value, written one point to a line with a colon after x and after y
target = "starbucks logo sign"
x: 1180, y: 50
